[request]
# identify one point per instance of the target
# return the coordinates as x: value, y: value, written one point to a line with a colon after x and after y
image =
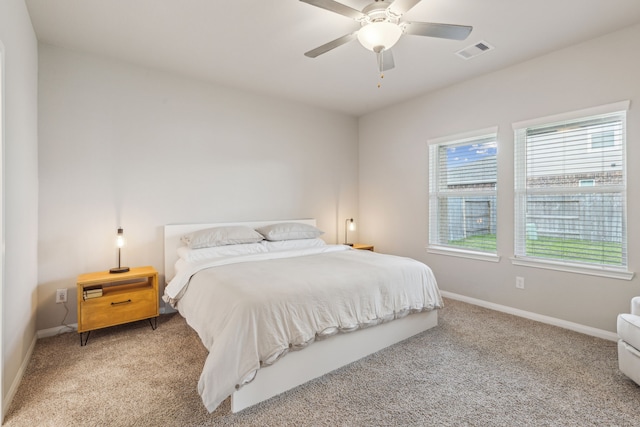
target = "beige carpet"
x: 477, y: 368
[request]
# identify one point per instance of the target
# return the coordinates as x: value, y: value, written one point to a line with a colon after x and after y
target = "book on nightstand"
x: 92, y: 292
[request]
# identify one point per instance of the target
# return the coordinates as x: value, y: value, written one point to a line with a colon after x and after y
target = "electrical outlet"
x: 61, y: 296
x: 520, y: 282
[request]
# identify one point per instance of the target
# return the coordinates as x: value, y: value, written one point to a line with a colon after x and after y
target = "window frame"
x: 433, y: 246
x: 520, y: 195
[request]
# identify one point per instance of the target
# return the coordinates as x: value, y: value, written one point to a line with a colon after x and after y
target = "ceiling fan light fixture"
x: 379, y: 34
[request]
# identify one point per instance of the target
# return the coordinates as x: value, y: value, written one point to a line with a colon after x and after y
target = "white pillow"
x: 221, y: 236
x: 193, y: 255
x: 289, y: 231
x: 286, y: 245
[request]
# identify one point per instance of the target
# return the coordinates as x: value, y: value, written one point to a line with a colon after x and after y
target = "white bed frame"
x: 321, y: 357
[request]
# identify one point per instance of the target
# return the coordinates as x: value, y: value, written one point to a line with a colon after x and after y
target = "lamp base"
x: 119, y: 270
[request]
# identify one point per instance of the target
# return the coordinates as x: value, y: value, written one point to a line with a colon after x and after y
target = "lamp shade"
x: 349, y: 225
x: 119, y: 244
x: 120, y: 238
x: 379, y: 34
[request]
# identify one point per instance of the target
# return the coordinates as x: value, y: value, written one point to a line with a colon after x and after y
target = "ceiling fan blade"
x: 331, y: 45
x: 336, y: 7
x: 400, y: 7
x: 385, y: 60
x: 443, y: 31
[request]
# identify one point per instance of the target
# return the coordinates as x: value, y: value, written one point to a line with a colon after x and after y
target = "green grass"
x: 605, y: 253
x: 481, y: 242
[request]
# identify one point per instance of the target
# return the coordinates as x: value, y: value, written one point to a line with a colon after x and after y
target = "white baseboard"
x: 51, y: 332
x: 588, y: 330
x: 6, y: 401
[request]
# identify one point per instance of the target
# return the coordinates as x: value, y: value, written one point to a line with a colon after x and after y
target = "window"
x: 462, y: 192
x: 603, y: 138
x: 571, y: 189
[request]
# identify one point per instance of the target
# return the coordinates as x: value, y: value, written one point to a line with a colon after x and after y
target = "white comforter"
x: 250, y: 310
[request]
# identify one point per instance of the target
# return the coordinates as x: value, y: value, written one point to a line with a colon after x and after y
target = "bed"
x: 267, y: 323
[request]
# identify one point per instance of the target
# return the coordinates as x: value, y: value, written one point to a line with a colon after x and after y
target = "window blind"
x: 462, y: 193
x: 571, y: 191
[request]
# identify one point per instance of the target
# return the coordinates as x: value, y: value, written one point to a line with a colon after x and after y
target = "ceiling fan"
x: 381, y: 28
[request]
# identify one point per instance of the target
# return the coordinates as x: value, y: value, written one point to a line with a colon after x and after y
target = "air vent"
x: 474, y: 50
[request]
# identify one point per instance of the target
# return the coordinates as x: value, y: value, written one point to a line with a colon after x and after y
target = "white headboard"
x: 173, y: 233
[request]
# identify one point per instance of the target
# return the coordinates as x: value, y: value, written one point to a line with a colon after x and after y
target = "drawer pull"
x: 121, y: 302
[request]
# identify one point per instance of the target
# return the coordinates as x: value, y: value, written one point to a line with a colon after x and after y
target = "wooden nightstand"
x: 363, y: 246
x: 106, y: 299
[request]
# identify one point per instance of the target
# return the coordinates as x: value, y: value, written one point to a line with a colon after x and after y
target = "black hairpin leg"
x: 83, y: 343
x: 153, y: 321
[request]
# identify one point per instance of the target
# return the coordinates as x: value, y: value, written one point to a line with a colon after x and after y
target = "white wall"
x: 20, y: 190
x: 394, y: 173
x: 138, y: 148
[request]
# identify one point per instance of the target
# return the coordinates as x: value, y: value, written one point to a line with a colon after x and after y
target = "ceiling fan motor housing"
x: 379, y: 12
x: 380, y: 29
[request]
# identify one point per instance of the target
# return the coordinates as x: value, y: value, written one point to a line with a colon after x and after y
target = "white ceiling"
x: 258, y: 45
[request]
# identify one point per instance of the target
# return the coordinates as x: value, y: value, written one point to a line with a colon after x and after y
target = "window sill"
x: 462, y: 253
x: 611, y: 273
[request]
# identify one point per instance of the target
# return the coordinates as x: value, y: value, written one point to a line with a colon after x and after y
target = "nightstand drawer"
x: 118, y: 307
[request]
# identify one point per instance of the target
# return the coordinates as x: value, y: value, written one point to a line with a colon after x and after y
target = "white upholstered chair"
x: 629, y: 342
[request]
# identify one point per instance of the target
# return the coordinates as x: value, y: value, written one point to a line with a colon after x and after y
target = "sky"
x: 459, y: 155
